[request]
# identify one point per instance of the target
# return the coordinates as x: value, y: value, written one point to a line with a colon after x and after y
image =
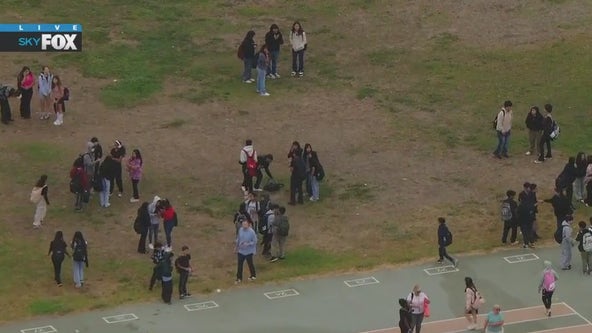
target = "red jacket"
x: 79, y: 172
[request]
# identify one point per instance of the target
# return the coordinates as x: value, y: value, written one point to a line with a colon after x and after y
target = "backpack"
x: 320, y: 172
x: 272, y: 186
x: 78, y: 253
x: 587, y: 240
x: 76, y: 183
x: 79, y: 161
x: 283, y: 226
x: 558, y: 235
x: 506, y: 211
x: 555, y: 132
x: 66, y: 96
x: 448, y: 238
x: 264, y: 224
x: 251, y: 164
x: 549, y: 281
x: 494, y: 123
x: 240, y: 53
x: 138, y: 225
x: 36, y: 194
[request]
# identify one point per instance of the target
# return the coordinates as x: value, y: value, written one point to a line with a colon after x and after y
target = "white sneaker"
x: 527, y: 153
x: 265, y: 94
x: 167, y: 249
x: 244, y: 189
x: 251, y: 80
x: 277, y: 76
x: 56, y: 123
x: 119, y: 195
x: 134, y: 200
x: 293, y: 73
x: 150, y: 246
x: 247, y: 81
x: 257, y: 190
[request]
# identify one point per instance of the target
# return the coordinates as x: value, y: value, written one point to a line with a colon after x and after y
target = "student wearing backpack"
x: 584, y: 239
x: 267, y: 222
x: 58, y: 249
x: 280, y: 229
x: 248, y: 161
x: 509, y: 214
x: 444, y: 240
x: 79, y: 258
x: 566, y: 243
x: 473, y: 301
x: 107, y: 173
x: 40, y: 199
x: 546, y: 136
x: 547, y: 286
x: 503, y: 127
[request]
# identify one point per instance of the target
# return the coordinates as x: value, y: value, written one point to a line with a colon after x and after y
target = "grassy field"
x: 398, y: 97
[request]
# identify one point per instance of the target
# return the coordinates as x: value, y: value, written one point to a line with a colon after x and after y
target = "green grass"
x: 48, y: 306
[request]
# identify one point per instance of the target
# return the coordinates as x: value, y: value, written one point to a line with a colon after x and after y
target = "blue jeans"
x: 272, y: 69
x: 502, y: 143
x: 78, y: 269
x: 314, y: 184
x: 248, y: 63
x: 104, y: 194
x: 261, y: 80
x: 168, y: 230
x: 298, y: 61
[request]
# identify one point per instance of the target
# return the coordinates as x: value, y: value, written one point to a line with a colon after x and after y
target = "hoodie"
x: 154, y: 215
x: 443, y: 234
x: 243, y: 154
x: 580, y: 238
x: 504, y: 121
x: 534, y: 122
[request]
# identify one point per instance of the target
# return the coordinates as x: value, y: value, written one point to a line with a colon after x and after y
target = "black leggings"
x: 117, y: 179
x: 547, y: 295
x: 25, y: 107
x: 57, y: 260
x: 589, y: 193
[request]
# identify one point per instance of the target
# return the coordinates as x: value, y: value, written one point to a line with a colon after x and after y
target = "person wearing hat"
x: 417, y: 301
x: 118, y: 153
x: 566, y: 243
x: 546, y: 136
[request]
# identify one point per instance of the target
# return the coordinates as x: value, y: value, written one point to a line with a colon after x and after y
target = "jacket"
x: 273, y: 41
x: 547, y: 125
x: 443, y: 233
x: 298, y: 41
x: 249, y: 47
x: 580, y: 238
x: 566, y: 177
x: 243, y: 154
x: 504, y: 121
x: 109, y: 168
x: 561, y: 205
x: 263, y: 163
x: 534, y: 122
x: 79, y: 172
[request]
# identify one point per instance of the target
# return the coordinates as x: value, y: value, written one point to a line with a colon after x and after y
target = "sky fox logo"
x: 51, y: 42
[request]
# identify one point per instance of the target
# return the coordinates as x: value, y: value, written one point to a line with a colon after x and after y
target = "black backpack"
x: 448, y: 238
x: 264, y: 224
x: 78, y: 253
x: 76, y: 183
x: 558, y: 235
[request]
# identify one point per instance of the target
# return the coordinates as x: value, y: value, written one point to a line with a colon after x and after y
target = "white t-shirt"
x: 416, y: 302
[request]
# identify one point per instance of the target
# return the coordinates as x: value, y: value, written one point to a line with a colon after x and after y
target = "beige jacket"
x: 504, y: 121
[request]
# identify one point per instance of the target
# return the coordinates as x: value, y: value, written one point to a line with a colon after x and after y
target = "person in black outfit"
x: 566, y: 178
x: 527, y: 199
x: 404, y: 316
x: 524, y: 218
x: 263, y: 163
x: 118, y: 153
x: 561, y: 206
x: 247, y: 48
x: 297, y: 176
x: 273, y: 40
x: 444, y: 239
x: 511, y: 224
x: 546, y: 136
x: 58, y: 249
x: 165, y: 269
x: 144, y: 220
x: 157, y: 257
x: 534, y: 123
x: 295, y: 150
x: 97, y: 152
x: 580, y: 187
x: 5, y: 93
x: 183, y: 265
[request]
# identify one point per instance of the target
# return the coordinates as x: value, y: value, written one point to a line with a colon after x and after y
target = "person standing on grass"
x: 566, y: 243
x: 79, y: 258
x: 44, y: 83
x: 165, y: 268
x: 107, y: 172
x: 263, y: 163
x: 417, y: 301
x: 89, y: 161
x: 494, y: 322
x: 566, y: 178
x: 134, y: 168
x: 143, y: 218
x: 273, y: 40
x: 26, y: 81
x: 584, y: 239
x: 579, y: 184
x: 297, y: 176
x: 588, y: 182
x: 183, y: 265
x: 157, y: 257
x: 248, y: 154
x: 59, y: 96
x: 5, y: 112
x: 561, y: 206
x: 313, y: 168
x: 169, y: 221
x: 534, y: 124
x: 252, y: 207
x: 533, y: 195
x: 246, y: 247
x: 503, y: 128
x: 247, y: 54
x: 509, y: 217
x: 268, y: 220
x: 57, y: 250
x: 262, y: 64
x: 444, y: 240
x: 473, y: 301
x: 80, y: 183
x: 40, y: 199
x: 118, y: 154
x: 546, y: 135
x: 295, y: 150
x: 97, y: 153
x: 280, y: 229
x: 154, y: 210
x: 299, y: 43
x: 404, y: 316
x: 547, y: 286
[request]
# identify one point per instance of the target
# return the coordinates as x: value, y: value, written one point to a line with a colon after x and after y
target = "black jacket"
x: 298, y: 168
x: 443, y: 235
x: 547, y: 125
x: 561, y: 205
x: 581, y: 166
x: 273, y: 41
x: 534, y: 123
x: 525, y: 213
x: 263, y: 162
x: 566, y: 177
x: 249, y: 46
x: 109, y: 168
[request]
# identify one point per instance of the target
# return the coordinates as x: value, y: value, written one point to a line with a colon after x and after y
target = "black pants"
x: 266, y: 242
x: 56, y: 260
x: 527, y: 236
x: 298, y: 61
x: 247, y: 179
x: 507, y: 226
x: 259, y: 178
x: 547, y: 296
x: 545, y: 141
x: 296, y: 190
x: 5, y: 113
x: 155, y: 276
x: 25, y: 107
x: 167, y: 291
x: 142, y: 242
x: 135, y: 188
x: 241, y: 260
x: 444, y: 254
x: 117, y: 180
x: 183, y: 277
x: 569, y: 193
x: 589, y: 193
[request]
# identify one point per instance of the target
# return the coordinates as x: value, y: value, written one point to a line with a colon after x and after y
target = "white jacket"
x: 243, y: 156
x: 297, y: 41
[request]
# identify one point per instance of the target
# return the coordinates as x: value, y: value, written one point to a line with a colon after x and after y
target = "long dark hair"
x: 262, y: 49
x: 78, y: 239
x: 470, y: 284
x: 249, y: 36
x: 581, y: 159
x: 59, y: 84
x: 300, y: 30
x: 274, y: 26
x: 21, y: 75
x: 138, y: 155
x: 59, y: 237
x: 41, y: 182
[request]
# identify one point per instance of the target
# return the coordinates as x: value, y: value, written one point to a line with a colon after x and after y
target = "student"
x: 57, y: 250
x: 444, y: 240
x: 248, y: 47
x: 169, y: 221
x: 503, y: 128
x: 295, y: 150
x: 247, y: 155
x: 404, y: 316
x: 107, y: 173
x: 566, y: 243
x: 273, y: 40
x: 80, y: 181
x: 561, y: 206
x: 579, y: 184
x: 134, y: 167
x: 524, y: 219
x: 268, y: 220
x: 566, y: 178
x: 473, y: 301
x: 166, y: 277
x: 262, y: 64
x: 44, y: 83
x: 263, y: 163
x: 157, y: 257
x: 252, y: 208
x: 183, y: 265
x: 79, y: 258
x: 510, y: 220
x: 118, y: 154
x: 588, y: 182
x: 5, y: 112
x: 97, y: 152
x: 534, y: 123
x: 143, y: 217
x: 547, y: 286
x: 40, y: 199
x: 546, y: 135
x: 533, y: 195
x: 26, y: 81
x: 313, y: 167
x: 154, y: 210
x: 280, y: 229
x: 494, y: 322
x: 417, y: 301
x: 298, y: 42
x: 58, y: 96
x: 584, y: 238
x: 297, y: 176
x: 245, y: 248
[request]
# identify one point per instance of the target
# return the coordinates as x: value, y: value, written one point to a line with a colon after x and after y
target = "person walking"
x: 274, y: 40
x: 503, y: 127
x: 41, y: 201
x: 444, y: 240
x: 509, y: 217
x: 546, y: 135
x: 248, y: 161
x: 79, y: 258
x: 118, y: 154
x: 404, y: 316
x: 280, y: 229
x: 143, y: 220
x: 262, y: 65
x: 44, y: 83
x: 584, y: 239
x: 534, y: 124
x: 247, y: 55
x: 26, y: 81
x: 57, y: 250
x: 299, y: 43
x: 547, y: 286
x: 157, y: 257
x: 494, y: 322
x: 134, y: 168
x: 417, y: 301
x: 566, y: 243
x: 297, y: 176
x: 473, y: 301
x: 579, y: 184
x: 183, y: 265
x: 246, y: 247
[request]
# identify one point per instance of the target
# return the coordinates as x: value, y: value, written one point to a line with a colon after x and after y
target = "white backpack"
x: 587, y: 240
x: 36, y: 194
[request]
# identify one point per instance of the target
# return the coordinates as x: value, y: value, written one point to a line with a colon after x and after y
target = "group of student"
x: 52, y: 96
x: 163, y: 271
x: 265, y: 60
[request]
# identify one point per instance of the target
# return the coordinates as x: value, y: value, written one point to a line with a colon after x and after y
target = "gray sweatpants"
x: 566, y: 253
x: 279, y: 245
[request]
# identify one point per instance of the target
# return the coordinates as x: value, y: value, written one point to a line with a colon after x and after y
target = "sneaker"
x: 244, y: 189
x: 527, y: 153
x: 251, y: 80
x: 472, y: 327
x: 265, y: 94
x: 282, y: 258
x: 151, y: 247
x: 439, y: 261
x: 247, y: 81
x: 181, y: 296
x: 237, y: 281
x: 252, y: 278
x: 107, y: 205
x: 277, y: 76
x: 119, y: 194
x: 134, y: 200
x: 300, y: 74
x: 538, y: 161
x: 188, y: 295
x: 514, y: 242
x: 168, y: 249
x: 274, y: 259
x: 293, y: 74
x: 56, y: 123
x: 258, y: 190
x: 269, y: 76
